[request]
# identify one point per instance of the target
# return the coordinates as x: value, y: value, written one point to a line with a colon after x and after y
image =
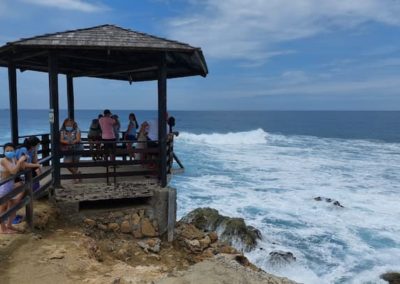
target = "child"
x: 142, y: 141
x: 9, y: 166
x: 130, y: 133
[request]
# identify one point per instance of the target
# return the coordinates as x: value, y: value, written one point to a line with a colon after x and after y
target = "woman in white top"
x: 9, y: 166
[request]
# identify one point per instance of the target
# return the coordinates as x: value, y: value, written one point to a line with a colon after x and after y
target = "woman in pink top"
x: 107, y: 131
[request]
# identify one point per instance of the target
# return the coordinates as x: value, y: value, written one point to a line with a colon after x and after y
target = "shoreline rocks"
x: 230, y: 230
x: 329, y: 200
x: 391, y: 277
x: 280, y: 258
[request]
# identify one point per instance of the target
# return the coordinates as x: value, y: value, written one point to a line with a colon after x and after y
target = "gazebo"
x: 107, y: 52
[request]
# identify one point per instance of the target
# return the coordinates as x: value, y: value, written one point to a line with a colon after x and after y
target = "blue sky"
x: 262, y: 55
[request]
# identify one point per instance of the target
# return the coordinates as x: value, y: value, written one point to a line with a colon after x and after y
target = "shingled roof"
x: 105, y: 51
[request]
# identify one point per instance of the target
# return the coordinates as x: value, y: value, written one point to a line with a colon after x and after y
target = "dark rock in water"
x: 337, y: 203
x: 280, y: 258
x: 391, y: 277
x: 206, y: 219
x: 230, y: 230
x: 329, y: 200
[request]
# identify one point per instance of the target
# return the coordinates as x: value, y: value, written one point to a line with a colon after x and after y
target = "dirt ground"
x: 62, y: 253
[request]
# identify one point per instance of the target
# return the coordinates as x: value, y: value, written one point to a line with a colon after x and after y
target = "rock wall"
x: 137, y: 222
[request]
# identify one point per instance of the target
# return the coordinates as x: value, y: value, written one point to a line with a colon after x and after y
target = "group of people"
x: 106, y: 129
x: 16, y: 159
x: 104, y: 132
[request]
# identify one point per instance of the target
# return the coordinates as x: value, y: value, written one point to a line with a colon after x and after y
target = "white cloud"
x: 77, y: 5
x: 367, y: 86
x: 252, y: 29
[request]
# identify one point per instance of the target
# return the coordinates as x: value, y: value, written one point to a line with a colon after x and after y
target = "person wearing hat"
x: 107, y: 124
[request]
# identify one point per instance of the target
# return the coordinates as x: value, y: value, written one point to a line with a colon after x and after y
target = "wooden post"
x: 12, y: 84
x: 70, y: 97
x: 162, y: 118
x: 54, y: 117
x: 29, y: 192
x: 45, y: 147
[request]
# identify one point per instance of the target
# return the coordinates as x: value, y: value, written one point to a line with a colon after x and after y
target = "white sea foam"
x: 257, y: 136
x: 271, y: 181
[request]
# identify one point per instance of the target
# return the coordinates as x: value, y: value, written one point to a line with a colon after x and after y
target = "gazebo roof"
x: 106, y: 51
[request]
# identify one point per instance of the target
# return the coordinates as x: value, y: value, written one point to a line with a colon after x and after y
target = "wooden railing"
x: 118, y: 161
x: 27, y: 187
x: 115, y: 168
x: 112, y: 160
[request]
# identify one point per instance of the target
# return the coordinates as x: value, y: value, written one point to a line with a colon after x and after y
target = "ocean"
x: 268, y: 167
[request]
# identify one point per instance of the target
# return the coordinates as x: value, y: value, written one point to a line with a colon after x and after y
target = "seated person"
x: 70, y: 139
x: 142, y: 141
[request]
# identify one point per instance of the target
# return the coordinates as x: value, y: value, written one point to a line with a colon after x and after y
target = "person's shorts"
x: 131, y: 137
x: 6, y: 188
x: 108, y: 146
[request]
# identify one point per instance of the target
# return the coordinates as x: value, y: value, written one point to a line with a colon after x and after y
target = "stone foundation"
x: 137, y: 222
x: 141, y: 216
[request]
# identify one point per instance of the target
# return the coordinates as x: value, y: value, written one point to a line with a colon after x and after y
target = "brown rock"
x: 155, y: 256
x: 208, y: 253
x: 205, y: 242
x: 113, y: 227
x: 118, y: 214
x: 193, y: 246
x: 188, y: 231
x: 153, y: 245
x: 137, y: 232
x: 40, y: 220
x: 89, y: 222
x: 123, y: 254
x: 155, y: 224
x: 102, y: 227
x: 125, y: 227
x: 147, y: 228
x: 135, y: 219
x: 213, y: 237
x: 227, y: 249
x: 391, y: 277
x: 141, y: 213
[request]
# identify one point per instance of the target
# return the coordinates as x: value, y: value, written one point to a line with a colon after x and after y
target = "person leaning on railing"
x: 130, y: 134
x: 107, y: 133
x: 94, y: 137
x: 70, y: 139
x: 30, y: 149
x: 9, y: 166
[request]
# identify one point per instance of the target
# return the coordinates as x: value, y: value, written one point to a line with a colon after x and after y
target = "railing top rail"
x: 29, y: 135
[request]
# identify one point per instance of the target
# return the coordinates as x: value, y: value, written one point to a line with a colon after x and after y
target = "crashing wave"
x: 252, y: 137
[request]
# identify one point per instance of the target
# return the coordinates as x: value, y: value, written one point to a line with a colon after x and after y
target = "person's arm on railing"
x: 32, y: 166
x: 14, y: 169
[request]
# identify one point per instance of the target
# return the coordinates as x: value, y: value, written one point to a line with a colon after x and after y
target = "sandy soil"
x: 62, y: 253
